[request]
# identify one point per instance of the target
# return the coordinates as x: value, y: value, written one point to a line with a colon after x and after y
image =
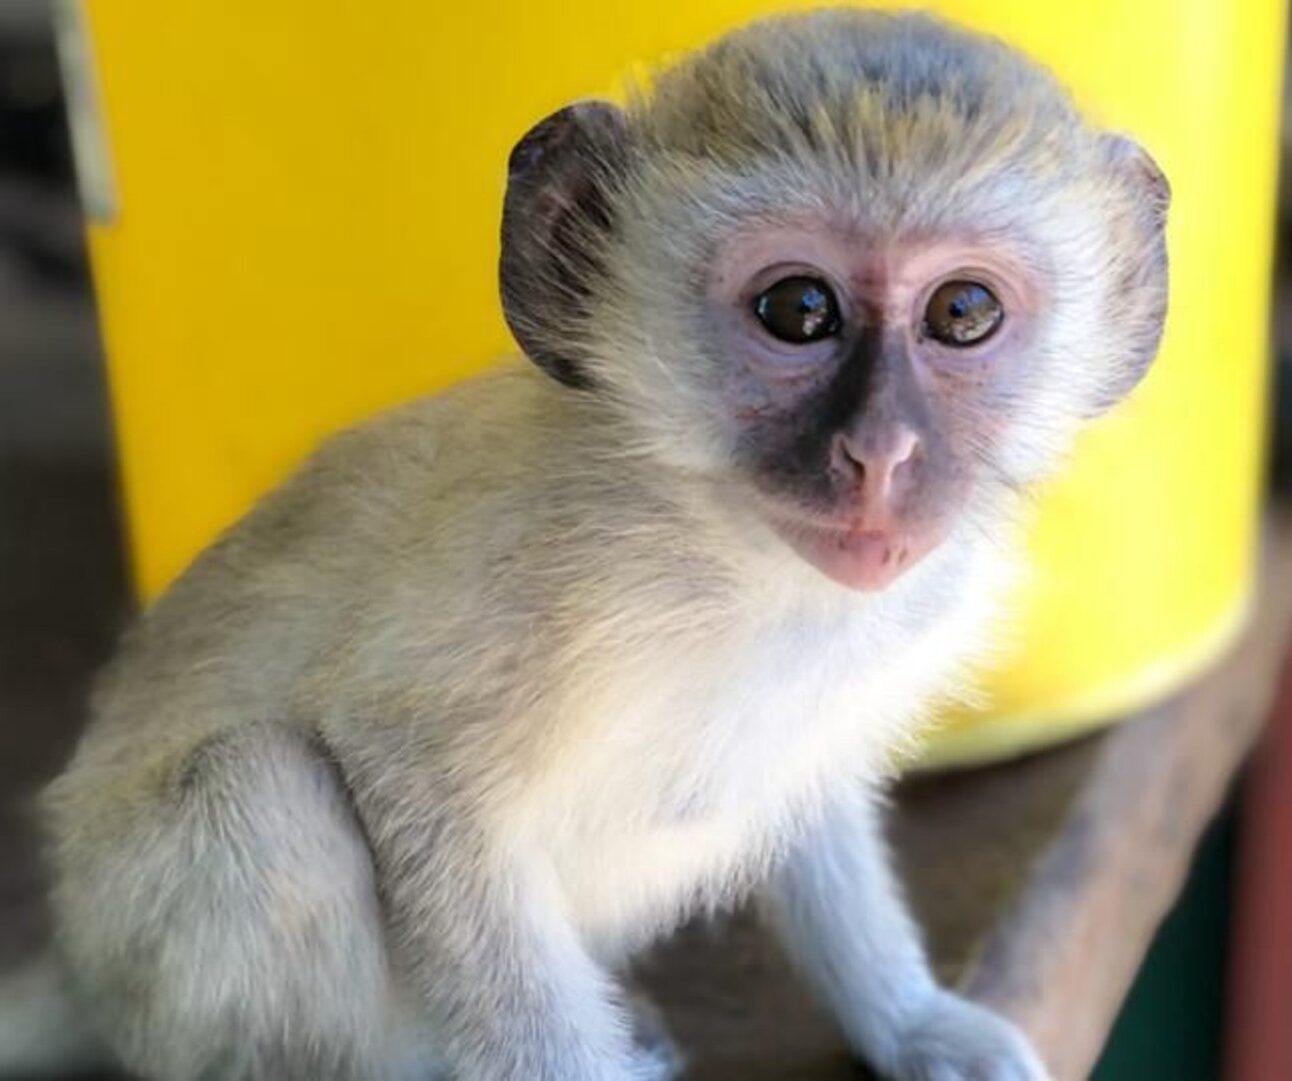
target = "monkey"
x: 501, y: 686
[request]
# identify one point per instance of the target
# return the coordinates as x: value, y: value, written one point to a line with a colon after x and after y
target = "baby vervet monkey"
x: 504, y: 684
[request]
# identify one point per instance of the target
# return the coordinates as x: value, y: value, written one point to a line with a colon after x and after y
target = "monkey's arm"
x: 841, y: 917
x: 482, y: 943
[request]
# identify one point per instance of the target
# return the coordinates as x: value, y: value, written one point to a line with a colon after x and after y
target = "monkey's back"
x: 318, y: 579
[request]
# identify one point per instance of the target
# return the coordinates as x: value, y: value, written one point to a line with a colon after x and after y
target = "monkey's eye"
x: 798, y: 310
x: 962, y: 313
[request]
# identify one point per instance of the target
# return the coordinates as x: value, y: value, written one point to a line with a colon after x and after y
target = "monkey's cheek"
x: 863, y: 559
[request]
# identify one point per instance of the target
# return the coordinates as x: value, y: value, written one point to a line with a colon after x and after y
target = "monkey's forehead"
x: 872, y: 86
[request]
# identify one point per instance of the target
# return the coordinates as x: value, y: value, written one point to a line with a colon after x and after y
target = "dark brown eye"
x: 962, y: 313
x: 798, y: 310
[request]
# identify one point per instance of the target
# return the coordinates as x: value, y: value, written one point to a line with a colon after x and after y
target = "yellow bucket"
x: 298, y: 221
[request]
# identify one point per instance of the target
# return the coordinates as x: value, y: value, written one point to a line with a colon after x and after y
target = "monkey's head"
x: 868, y: 270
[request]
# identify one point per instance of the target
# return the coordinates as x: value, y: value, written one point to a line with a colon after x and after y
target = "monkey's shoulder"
x: 371, y: 488
x: 404, y: 520
x: 475, y: 428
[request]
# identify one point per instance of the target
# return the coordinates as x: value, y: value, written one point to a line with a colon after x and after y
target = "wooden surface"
x: 1258, y: 980
x: 1040, y: 882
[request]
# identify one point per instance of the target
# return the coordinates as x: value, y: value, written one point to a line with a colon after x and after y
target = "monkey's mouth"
x: 861, y: 553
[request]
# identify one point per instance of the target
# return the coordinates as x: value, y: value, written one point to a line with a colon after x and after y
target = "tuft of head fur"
x: 871, y: 106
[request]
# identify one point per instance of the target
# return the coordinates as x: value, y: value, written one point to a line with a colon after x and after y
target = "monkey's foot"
x: 956, y: 1040
x: 657, y: 1057
x: 651, y: 1066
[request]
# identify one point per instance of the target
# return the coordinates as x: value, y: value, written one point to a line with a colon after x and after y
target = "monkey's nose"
x: 874, y: 461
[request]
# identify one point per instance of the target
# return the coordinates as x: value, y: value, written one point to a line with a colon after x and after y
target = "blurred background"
x: 64, y: 592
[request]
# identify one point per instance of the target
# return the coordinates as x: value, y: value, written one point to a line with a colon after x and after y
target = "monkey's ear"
x: 1139, y: 295
x: 556, y: 220
x: 1126, y: 156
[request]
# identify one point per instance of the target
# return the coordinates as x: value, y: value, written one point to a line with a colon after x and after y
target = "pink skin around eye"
x: 870, y: 532
x: 892, y: 278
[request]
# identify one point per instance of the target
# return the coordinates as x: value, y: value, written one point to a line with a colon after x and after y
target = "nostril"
x: 879, y: 454
x: 846, y: 458
x: 905, y: 447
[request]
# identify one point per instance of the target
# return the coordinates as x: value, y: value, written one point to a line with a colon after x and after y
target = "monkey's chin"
x: 864, y: 559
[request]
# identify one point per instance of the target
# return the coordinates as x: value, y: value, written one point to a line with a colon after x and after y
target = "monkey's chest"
x: 628, y: 886
x: 697, y: 779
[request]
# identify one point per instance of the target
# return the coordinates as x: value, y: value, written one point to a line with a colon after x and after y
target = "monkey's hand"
x: 952, y: 1039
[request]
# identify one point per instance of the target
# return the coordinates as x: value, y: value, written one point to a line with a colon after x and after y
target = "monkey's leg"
x: 844, y: 923
x: 487, y: 948
x: 224, y: 925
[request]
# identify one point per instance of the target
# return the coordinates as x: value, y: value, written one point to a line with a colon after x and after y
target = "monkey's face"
x: 866, y: 274
x: 865, y: 382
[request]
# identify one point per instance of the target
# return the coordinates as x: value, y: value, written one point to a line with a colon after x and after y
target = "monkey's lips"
x: 856, y: 553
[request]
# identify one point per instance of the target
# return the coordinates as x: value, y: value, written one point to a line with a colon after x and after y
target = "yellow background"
x: 306, y: 230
